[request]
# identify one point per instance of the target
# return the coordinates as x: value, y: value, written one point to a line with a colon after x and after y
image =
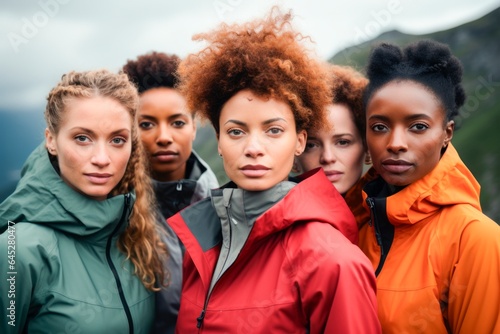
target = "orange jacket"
x: 441, y: 271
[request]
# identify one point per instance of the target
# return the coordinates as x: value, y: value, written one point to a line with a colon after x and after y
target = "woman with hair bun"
x: 436, y: 255
x: 265, y: 253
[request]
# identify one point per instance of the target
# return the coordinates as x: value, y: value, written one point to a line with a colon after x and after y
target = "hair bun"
x: 383, y: 59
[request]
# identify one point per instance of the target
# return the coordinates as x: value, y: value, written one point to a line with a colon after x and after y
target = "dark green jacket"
x: 60, y: 260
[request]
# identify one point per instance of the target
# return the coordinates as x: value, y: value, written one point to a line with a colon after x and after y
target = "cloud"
x: 43, y: 39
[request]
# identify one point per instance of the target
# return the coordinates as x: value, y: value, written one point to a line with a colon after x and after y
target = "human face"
x: 258, y: 140
x: 93, y: 145
x: 167, y: 131
x: 338, y: 151
x: 406, y: 131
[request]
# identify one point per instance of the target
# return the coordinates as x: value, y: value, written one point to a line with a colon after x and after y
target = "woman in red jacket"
x: 436, y: 255
x: 265, y: 254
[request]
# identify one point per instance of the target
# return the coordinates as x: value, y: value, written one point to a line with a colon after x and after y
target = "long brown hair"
x: 140, y: 241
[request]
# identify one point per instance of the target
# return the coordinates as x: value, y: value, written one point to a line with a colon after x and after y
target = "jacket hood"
x: 327, y: 207
x: 449, y: 183
x: 42, y: 197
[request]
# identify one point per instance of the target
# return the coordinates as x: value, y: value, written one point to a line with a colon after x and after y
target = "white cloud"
x: 55, y: 36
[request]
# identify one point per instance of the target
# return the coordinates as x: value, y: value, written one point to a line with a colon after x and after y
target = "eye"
x: 378, y: 128
x: 419, y: 127
x: 146, y: 125
x: 82, y: 138
x: 343, y: 142
x: 118, y: 141
x: 310, y: 145
x: 235, y: 132
x: 275, y: 130
x: 178, y: 124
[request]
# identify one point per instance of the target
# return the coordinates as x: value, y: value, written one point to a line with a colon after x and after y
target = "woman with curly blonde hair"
x: 88, y: 255
x: 265, y: 253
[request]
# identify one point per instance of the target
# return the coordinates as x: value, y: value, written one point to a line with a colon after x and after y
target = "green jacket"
x: 59, y: 258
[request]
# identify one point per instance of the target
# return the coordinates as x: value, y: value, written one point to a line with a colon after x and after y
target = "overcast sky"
x: 41, y: 40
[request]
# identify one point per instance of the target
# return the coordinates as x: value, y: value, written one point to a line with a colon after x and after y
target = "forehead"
x: 246, y: 104
x: 96, y: 110
x: 407, y: 95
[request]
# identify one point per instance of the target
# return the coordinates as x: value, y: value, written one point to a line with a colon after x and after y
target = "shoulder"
x: 32, y: 242
x: 324, y: 243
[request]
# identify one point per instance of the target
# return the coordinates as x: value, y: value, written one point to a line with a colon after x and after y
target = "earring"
x: 220, y: 155
x: 368, y: 159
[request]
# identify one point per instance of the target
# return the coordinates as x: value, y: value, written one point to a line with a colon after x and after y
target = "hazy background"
x: 41, y: 40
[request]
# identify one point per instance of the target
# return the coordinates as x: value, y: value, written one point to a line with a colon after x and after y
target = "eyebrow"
x: 93, y: 132
x: 410, y: 118
x: 169, y: 117
x: 269, y: 121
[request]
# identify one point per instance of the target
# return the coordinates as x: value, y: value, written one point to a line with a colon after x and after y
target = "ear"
x: 218, y: 144
x: 50, y: 142
x: 301, y: 142
x: 194, y: 129
x: 450, y: 127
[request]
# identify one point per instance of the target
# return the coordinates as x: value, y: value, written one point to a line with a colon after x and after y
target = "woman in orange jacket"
x: 436, y: 255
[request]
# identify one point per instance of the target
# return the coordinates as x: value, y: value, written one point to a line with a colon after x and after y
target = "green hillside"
x: 477, y: 45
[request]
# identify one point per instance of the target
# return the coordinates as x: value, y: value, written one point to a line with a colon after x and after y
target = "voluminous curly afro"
x: 153, y: 70
x: 266, y: 56
x: 348, y: 87
x: 426, y: 62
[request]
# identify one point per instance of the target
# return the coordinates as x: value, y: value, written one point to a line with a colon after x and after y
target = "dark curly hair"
x: 265, y: 56
x: 348, y: 87
x: 426, y: 62
x: 152, y: 70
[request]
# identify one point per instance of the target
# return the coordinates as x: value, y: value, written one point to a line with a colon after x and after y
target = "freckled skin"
x: 93, y: 145
x: 339, y: 151
x: 258, y: 132
x: 166, y: 126
x: 406, y: 122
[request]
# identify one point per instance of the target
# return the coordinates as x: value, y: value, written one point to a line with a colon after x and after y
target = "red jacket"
x: 298, y: 271
x: 440, y: 271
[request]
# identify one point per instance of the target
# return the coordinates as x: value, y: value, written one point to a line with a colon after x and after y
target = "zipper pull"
x: 200, y: 319
x: 370, y: 203
x: 179, y: 186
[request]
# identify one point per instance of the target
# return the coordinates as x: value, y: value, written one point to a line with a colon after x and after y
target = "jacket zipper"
x: 113, y: 268
x: 378, y: 235
x: 203, y: 311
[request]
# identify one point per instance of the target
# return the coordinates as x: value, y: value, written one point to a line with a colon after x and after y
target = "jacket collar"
x: 43, y: 198
x: 449, y: 183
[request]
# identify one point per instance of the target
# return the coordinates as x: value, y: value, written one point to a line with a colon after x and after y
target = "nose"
x: 253, y: 147
x: 397, y: 141
x: 327, y: 155
x: 100, y: 156
x: 164, y: 135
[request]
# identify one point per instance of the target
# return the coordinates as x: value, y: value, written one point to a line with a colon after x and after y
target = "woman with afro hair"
x: 436, y: 255
x: 180, y: 177
x: 265, y: 253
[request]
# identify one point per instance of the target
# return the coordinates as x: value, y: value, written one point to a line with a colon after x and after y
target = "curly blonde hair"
x: 348, y: 87
x: 265, y: 56
x: 140, y: 241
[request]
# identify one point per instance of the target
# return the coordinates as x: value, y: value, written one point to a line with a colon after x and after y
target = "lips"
x: 396, y: 166
x: 98, y: 178
x: 333, y: 175
x: 165, y: 156
x: 254, y: 170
